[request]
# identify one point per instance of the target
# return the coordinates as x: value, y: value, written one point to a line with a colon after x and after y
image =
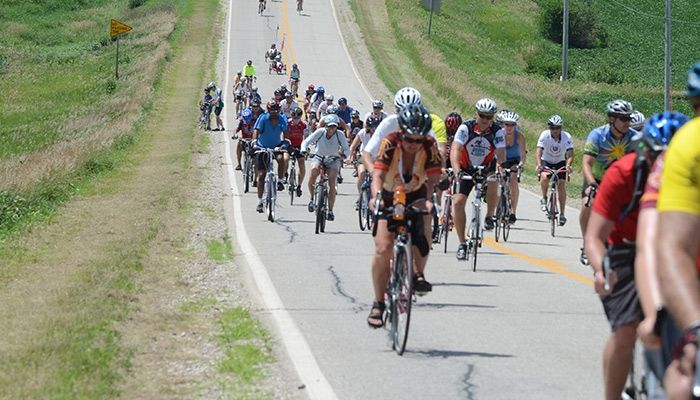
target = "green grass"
x: 246, y: 346
x: 220, y: 251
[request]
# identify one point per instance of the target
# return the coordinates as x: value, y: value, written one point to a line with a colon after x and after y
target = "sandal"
x: 420, y: 285
x: 375, y: 316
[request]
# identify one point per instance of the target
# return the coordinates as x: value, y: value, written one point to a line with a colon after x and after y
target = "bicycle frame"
x: 553, y: 201
x: 292, y: 180
x: 321, y: 192
x: 270, y: 192
x: 248, y: 174
x: 476, y: 231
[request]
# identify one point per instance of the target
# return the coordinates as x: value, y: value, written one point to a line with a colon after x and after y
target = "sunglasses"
x: 625, y: 119
x: 509, y: 124
x: 412, y: 141
x: 485, y: 116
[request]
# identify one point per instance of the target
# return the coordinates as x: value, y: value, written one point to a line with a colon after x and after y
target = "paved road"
x: 526, y: 325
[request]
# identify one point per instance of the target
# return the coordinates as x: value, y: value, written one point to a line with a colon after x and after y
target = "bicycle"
x: 321, y: 193
x: 300, y: 4
x: 399, y: 293
x: 553, y: 201
x: 203, y: 120
x: 363, y: 210
x: 240, y: 104
x: 294, y: 87
x: 270, y: 191
x: 503, y: 209
x: 445, y: 222
x: 292, y: 180
x: 248, y: 173
x: 475, y: 231
x: 261, y: 6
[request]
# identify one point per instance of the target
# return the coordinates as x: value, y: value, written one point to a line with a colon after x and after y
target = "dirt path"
x: 118, y: 297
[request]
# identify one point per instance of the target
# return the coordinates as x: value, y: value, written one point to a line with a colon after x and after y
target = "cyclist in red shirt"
x: 298, y: 131
x: 245, y: 127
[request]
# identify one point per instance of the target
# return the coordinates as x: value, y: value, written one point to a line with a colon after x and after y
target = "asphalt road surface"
x: 525, y: 325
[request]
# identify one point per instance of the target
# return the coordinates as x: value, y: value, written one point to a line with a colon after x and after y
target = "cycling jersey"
x: 388, y: 125
x: 296, y: 133
x: 364, y: 138
x: 512, y: 151
x: 605, y: 148
x: 218, y: 99
x: 246, y: 129
x: 614, y: 194
x: 426, y: 162
x: 381, y: 115
x: 294, y: 75
x: 680, y: 191
x: 269, y: 135
x: 326, y: 146
x: 315, y: 102
x: 478, y: 148
x: 287, y: 108
x: 553, y: 150
x: 249, y: 70
x: 345, y: 114
x: 438, y: 127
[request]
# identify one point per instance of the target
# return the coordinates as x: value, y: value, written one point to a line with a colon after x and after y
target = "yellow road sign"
x: 116, y: 28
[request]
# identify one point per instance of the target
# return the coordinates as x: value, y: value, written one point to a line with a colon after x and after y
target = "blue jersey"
x: 345, y: 114
x: 513, y: 151
x: 605, y: 148
x: 270, y: 136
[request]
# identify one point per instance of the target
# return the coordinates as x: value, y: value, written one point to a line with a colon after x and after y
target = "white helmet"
x: 486, y: 105
x: 637, y: 120
x: 620, y: 108
x: 555, y: 120
x: 406, y: 96
x: 329, y: 97
x: 211, y: 85
x: 509, y: 116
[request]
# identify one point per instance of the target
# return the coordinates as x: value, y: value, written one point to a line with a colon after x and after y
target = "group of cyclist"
x: 640, y: 236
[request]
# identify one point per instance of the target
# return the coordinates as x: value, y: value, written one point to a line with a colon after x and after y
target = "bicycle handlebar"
x: 606, y: 271
x: 591, y: 195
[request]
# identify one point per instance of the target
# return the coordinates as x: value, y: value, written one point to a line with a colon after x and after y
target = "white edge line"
x: 347, y: 53
x: 298, y: 349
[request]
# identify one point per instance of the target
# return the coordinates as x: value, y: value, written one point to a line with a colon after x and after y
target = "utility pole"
x: 667, y: 59
x: 565, y: 43
x: 430, y: 21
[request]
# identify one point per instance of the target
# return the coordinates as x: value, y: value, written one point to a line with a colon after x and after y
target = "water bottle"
x: 399, y: 202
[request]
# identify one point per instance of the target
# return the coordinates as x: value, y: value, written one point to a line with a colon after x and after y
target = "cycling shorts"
x: 329, y: 165
x: 622, y: 305
x: 420, y: 194
x: 510, y: 163
x: 465, y: 186
x: 555, y: 166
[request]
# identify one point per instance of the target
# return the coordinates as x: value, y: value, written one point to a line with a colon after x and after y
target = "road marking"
x: 551, y: 265
x: 287, y: 33
x: 317, y: 385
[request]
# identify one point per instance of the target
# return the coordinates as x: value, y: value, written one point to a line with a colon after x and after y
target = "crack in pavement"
x: 289, y: 229
x: 338, y: 289
x: 468, y: 387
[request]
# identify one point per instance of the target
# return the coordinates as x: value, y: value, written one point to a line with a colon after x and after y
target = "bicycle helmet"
x: 406, y: 96
x: 619, y: 108
x: 296, y: 112
x: 320, y: 90
x: 255, y: 102
x: 244, y: 79
x: 273, y: 46
x: 331, y: 119
x: 294, y: 66
x: 509, y: 116
x: 332, y: 109
x: 246, y: 115
x: 272, y: 106
x: 486, y: 106
x: 377, y: 104
x: 329, y: 97
x: 693, y: 88
x: 354, y: 113
x: 211, y: 85
x: 342, y: 100
x: 311, y: 86
x: 372, y: 122
x: 637, y: 120
x: 249, y: 62
x: 555, y: 120
x: 415, y: 119
x: 239, y: 73
x: 254, y: 88
x: 659, y: 130
x: 452, y: 122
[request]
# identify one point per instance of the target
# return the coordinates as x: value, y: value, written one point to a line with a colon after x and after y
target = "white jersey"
x: 322, y: 109
x: 480, y: 149
x: 315, y: 101
x: 326, y: 146
x: 287, y: 108
x: 364, y: 139
x: 554, y: 151
x: 388, y: 125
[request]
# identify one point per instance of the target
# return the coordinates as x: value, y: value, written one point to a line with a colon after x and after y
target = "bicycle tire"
x: 292, y: 184
x: 499, y: 219
x: 320, y: 212
x: 506, y: 220
x: 447, y: 212
x: 402, y: 301
x: 474, y: 237
x: 269, y: 202
x: 246, y: 174
x: 368, y: 211
x: 553, y: 212
x: 325, y: 210
x: 362, y: 211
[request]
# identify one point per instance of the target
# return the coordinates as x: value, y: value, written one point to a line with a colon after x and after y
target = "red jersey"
x: 296, y: 132
x: 245, y: 129
x: 614, y: 194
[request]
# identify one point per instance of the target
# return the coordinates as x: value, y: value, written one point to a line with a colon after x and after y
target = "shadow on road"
x: 453, y: 353
x: 464, y: 284
x: 440, y: 306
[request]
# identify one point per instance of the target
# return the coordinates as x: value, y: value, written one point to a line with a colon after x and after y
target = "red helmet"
x: 272, y: 106
x: 452, y: 122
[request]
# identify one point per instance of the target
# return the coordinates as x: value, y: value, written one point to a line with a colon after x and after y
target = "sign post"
x: 116, y: 29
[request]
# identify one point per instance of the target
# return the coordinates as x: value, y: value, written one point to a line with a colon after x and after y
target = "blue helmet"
x: 320, y: 89
x: 693, y: 89
x: 659, y: 130
x: 246, y: 115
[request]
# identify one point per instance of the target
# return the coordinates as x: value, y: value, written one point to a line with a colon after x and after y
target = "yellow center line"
x: 288, y: 51
x: 551, y: 265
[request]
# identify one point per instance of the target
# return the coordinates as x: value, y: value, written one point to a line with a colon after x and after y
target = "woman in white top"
x: 555, y: 150
x: 361, y: 140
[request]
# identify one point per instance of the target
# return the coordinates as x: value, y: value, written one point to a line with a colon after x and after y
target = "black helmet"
x: 415, y: 120
x: 296, y: 112
x: 372, y: 122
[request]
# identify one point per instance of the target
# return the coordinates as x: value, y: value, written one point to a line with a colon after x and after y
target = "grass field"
x: 478, y: 48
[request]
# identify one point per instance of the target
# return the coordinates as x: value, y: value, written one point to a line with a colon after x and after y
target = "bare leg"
x: 332, y: 176
x: 617, y: 360
x: 491, y: 198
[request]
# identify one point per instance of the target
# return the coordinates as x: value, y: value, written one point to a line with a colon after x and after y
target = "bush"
x: 604, y: 72
x: 585, y: 28
x: 543, y: 61
x: 136, y: 3
x: 111, y: 86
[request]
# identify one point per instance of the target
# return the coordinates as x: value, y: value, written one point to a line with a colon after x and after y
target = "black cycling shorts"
x: 622, y: 305
x: 510, y: 163
x: 261, y: 161
x: 556, y: 166
x: 420, y: 194
x: 465, y: 186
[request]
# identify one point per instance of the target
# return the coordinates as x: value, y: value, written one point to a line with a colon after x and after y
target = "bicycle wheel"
x: 402, y: 300
x: 362, y: 211
x: 369, y: 221
x: 506, y: 220
x: 247, y: 174
x: 447, y: 213
x: 325, y: 209
x: 553, y: 212
x: 435, y: 229
x: 475, y: 237
x: 292, y: 182
x: 270, y: 200
x: 499, y: 218
x: 320, y: 212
